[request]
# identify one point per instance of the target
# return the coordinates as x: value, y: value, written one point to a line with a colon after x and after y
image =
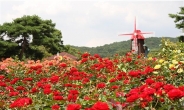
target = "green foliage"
x: 170, y: 50
x: 179, y: 18
x: 8, y: 49
x: 72, y: 50
x: 31, y: 32
x: 122, y: 47
x: 38, y: 52
x: 181, y: 38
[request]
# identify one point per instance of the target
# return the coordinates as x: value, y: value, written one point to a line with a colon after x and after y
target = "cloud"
x: 30, y: 7
x: 95, y: 23
x: 97, y: 41
x: 48, y: 7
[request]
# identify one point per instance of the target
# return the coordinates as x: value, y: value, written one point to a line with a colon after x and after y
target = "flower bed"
x: 95, y: 83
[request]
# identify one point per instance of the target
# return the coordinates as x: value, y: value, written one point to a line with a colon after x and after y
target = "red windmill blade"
x: 146, y: 33
x: 137, y: 34
x: 134, y: 36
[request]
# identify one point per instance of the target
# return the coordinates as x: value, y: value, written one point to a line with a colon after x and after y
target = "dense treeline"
x: 122, y: 47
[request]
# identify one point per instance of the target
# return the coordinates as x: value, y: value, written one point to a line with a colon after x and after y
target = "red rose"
x: 63, y: 65
x: 10, y: 88
x: 100, y: 106
x: 14, y: 81
x: 148, y: 69
x: 21, y: 102
x: 73, y: 69
x: 168, y: 87
x: 33, y: 90
x: 85, y: 55
x: 47, y: 86
x: 149, y: 90
x: 175, y: 94
x: 159, y: 92
x: 114, y: 87
x: 84, y: 60
x: 85, y: 80
x: 101, y: 85
x: 19, y: 88
x: 128, y: 59
x: 113, y: 80
x: 73, y: 92
x: 55, y: 107
x: 134, y: 91
x: 54, y: 79
x: 56, y: 93
x: 2, y: 77
x: 96, y: 55
x: 134, y: 73
x: 57, y: 97
x: 120, y: 75
x: 181, y: 88
x: 13, y: 94
x: 132, y: 98
x: 72, y: 97
x: 149, y: 81
x: 47, y: 91
x: 73, y: 107
x: 157, y: 85
x: 28, y: 79
x: 2, y: 84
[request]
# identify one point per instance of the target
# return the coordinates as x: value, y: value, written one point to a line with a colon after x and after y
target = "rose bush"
x: 94, y: 83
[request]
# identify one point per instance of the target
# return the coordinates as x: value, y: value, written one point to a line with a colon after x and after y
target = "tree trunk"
x: 23, y: 45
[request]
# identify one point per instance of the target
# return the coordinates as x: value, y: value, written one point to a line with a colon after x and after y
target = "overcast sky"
x: 97, y: 22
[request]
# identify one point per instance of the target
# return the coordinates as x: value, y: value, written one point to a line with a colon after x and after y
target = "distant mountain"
x: 122, y: 47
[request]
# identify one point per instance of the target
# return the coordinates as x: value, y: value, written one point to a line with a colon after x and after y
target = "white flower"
x: 179, y: 51
x: 174, y: 62
x: 157, y: 67
x: 180, y: 70
x: 163, y: 49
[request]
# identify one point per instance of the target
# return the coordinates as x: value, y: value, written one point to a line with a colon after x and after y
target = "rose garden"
x: 129, y: 82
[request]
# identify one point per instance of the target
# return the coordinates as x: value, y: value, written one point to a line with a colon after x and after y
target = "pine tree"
x: 34, y: 37
x: 179, y: 20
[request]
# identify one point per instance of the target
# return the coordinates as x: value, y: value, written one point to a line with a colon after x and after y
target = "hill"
x: 122, y: 47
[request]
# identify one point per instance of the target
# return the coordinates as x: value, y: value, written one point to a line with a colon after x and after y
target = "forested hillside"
x: 122, y: 47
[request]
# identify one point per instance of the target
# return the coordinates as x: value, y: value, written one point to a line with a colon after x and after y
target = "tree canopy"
x: 179, y: 18
x: 30, y: 36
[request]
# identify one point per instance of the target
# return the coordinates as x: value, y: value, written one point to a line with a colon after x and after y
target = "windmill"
x: 137, y: 39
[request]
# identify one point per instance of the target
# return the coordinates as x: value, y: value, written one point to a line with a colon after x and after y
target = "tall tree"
x: 30, y: 32
x: 179, y: 20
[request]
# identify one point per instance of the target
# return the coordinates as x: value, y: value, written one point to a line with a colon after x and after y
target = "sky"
x: 93, y: 23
